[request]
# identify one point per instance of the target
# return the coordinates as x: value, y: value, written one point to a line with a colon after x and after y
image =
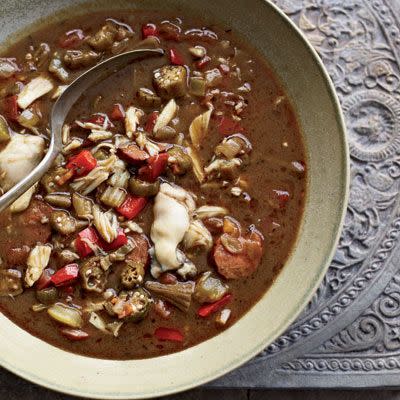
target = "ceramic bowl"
x: 314, y: 99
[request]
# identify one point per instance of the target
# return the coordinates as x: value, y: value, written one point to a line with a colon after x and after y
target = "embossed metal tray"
x: 349, y: 335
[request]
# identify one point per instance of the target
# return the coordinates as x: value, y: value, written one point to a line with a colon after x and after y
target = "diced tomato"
x: 175, y: 57
x: 173, y: 335
x: 117, y: 112
x: 66, y: 275
x: 224, y: 68
x: 227, y: 126
x: 168, y: 279
x: 120, y: 240
x: 149, y: 30
x: 74, y: 334
x: 151, y: 121
x: 132, y: 206
x: 203, y: 62
x: 81, y: 245
x: 100, y: 119
x: 208, y: 309
x: 82, y: 163
x: 156, y: 165
x: 10, y: 108
x: 281, y: 197
x: 72, y: 39
x: 133, y: 154
x: 45, y: 279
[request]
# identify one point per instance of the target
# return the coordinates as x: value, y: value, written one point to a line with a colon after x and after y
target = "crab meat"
x: 36, y: 88
x: 132, y: 117
x: 21, y: 155
x: 37, y: 261
x: 173, y: 208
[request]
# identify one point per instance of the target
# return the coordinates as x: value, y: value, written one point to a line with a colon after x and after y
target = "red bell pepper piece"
x: 208, y: 309
x: 72, y: 39
x: 151, y: 121
x: 88, y: 234
x: 117, y: 112
x: 133, y: 154
x: 132, y: 206
x: 82, y: 163
x: 149, y: 30
x: 203, y: 62
x: 61, y: 180
x: 119, y: 241
x: 175, y: 57
x: 10, y: 108
x: 156, y: 165
x: 74, y: 334
x: 228, y: 126
x: 282, y: 197
x: 173, y: 335
x: 66, y: 275
x: 45, y: 279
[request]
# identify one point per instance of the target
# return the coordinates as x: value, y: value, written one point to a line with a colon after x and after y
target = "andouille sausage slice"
x: 242, y: 263
x: 140, y: 253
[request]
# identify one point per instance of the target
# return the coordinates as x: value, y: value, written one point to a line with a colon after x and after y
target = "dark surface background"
x: 13, y: 388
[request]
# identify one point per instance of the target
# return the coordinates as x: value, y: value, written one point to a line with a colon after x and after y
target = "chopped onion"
x: 59, y: 91
x: 114, y: 327
x: 72, y: 145
x: 223, y: 316
x: 38, y: 307
x: 98, y: 322
x: 211, y: 211
x: 132, y: 117
x: 22, y: 203
x: 66, y: 129
x: 113, y: 196
x: 197, y: 164
x: 98, y: 135
x: 166, y: 115
x: 36, y: 88
x: 120, y: 180
x: 199, y: 127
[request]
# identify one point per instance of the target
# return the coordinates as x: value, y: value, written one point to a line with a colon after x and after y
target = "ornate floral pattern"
x: 359, y: 42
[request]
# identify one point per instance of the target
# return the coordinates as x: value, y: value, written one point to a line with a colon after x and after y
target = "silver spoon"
x: 61, y: 109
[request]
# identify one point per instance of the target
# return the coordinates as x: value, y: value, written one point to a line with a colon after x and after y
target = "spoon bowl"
x: 61, y: 109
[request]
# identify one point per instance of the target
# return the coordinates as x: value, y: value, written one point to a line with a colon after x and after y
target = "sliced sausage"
x: 240, y: 264
x: 140, y: 252
x: 24, y: 230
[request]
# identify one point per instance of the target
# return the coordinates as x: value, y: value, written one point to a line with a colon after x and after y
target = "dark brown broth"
x: 267, y: 127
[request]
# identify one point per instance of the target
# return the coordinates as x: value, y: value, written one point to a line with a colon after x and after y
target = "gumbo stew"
x: 177, y: 196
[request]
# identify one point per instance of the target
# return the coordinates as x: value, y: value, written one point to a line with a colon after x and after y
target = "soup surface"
x: 176, y: 199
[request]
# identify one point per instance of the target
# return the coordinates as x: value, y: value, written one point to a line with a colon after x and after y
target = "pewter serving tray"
x: 349, y: 335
